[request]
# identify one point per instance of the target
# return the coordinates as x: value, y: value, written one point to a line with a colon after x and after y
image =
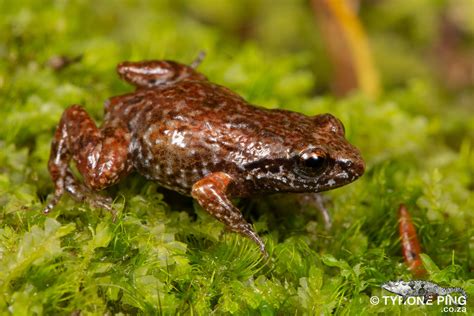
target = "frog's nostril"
x: 123, y: 68
x: 354, y: 168
x: 360, y: 168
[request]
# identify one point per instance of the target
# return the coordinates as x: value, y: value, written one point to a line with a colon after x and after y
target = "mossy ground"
x: 166, y: 255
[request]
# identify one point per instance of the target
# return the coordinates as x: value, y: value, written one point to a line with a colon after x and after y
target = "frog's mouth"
x: 350, y: 169
x: 341, y: 173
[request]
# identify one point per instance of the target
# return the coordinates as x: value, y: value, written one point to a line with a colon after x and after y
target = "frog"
x: 200, y: 139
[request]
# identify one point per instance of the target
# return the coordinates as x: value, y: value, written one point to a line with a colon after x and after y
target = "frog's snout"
x: 359, y: 168
x: 352, y: 167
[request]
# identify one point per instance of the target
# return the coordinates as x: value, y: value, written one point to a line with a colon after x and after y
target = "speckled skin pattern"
x: 199, y: 139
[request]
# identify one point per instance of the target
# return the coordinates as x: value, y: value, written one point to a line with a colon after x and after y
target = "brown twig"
x: 410, y: 245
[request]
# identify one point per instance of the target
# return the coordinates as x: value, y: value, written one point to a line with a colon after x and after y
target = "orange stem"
x: 410, y: 245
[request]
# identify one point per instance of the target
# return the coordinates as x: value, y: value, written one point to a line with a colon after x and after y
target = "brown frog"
x: 200, y: 139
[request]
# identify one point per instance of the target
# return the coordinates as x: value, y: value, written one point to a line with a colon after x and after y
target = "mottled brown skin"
x: 199, y: 139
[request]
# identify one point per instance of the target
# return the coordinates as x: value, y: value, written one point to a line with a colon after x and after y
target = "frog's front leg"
x: 211, y: 193
x: 100, y: 156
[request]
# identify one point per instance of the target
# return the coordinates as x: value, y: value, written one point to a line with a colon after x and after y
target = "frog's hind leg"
x: 100, y: 156
x: 154, y: 73
x: 211, y: 193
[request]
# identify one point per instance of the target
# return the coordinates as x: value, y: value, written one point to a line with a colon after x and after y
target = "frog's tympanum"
x: 200, y: 139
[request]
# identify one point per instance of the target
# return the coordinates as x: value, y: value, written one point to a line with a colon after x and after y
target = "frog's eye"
x: 313, y: 162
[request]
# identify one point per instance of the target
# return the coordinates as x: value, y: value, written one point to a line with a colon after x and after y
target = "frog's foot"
x: 196, y: 62
x: 211, y: 193
x: 80, y: 193
x: 95, y: 200
x: 316, y: 200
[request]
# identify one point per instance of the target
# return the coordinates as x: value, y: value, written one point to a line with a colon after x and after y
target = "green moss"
x: 163, y: 256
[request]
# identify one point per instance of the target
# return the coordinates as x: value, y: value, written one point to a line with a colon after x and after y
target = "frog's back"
x: 183, y: 132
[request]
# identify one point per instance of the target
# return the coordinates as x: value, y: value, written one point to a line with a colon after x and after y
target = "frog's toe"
x: 52, y: 203
x: 83, y: 194
x: 103, y: 202
x: 247, y: 231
